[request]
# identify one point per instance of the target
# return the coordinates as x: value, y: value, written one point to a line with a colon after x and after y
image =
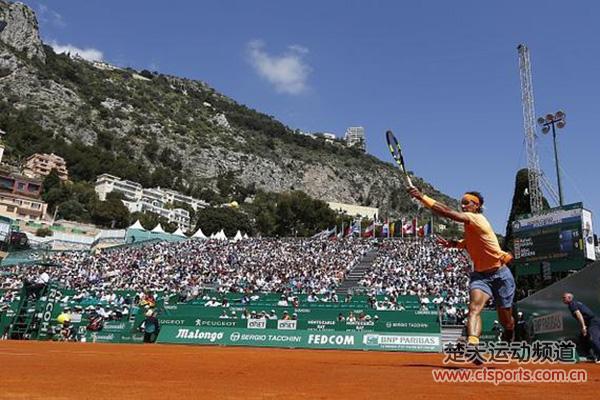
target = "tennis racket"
x: 396, y: 151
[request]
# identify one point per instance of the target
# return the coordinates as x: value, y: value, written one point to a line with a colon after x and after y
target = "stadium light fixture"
x: 552, y: 121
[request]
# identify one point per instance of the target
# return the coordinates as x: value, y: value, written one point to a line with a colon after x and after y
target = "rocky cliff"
x: 179, y: 125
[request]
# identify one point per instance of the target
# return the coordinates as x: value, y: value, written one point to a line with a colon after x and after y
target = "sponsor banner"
x: 329, y: 315
x: 49, y: 312
x: 287, y: 324
x: 172, y: 321
x: 548, y: 323
x: 587, y: 230
x: 301, y: 339
x: 117, y: 326
x: 257, y: 324
x: 201, y: 321
x: 553, y: 216
x: 415, y: 325
x: 403, y: 342
x: 113, y: 337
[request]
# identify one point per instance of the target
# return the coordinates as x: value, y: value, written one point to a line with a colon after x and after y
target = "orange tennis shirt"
x: 481, y: 243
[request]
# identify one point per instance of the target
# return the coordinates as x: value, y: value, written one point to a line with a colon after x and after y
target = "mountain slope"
x: 168, y: 131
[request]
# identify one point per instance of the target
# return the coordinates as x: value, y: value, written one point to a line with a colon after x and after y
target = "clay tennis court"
x: 48, y: 370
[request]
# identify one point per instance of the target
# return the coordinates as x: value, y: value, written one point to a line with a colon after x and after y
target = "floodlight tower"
x: 533, y: 163
x: 551, y: 120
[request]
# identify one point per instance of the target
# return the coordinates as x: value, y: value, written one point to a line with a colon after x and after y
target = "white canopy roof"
x: 158, y: 229
x: 238, y: 236
x: 137, y: 225
x: 245, y: 236
x: 199, y: 235
x: 179, y: 232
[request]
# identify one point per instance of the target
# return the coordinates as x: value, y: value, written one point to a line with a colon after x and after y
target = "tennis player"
x: 491, y: 278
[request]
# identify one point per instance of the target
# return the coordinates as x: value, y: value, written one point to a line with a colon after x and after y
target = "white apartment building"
x: 105, y: 183
x: 355, y: 137
x: 139, y: 199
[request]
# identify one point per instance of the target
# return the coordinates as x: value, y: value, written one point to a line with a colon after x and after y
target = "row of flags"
x: 388, y: 229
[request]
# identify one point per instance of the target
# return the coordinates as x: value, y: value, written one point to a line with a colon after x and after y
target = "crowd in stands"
x: 439, y: 276
x: 289, y: 266
x: 255, y: 265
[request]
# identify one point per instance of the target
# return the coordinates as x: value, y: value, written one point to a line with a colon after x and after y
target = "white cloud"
x: 89, y: 54
x: 287, y: 72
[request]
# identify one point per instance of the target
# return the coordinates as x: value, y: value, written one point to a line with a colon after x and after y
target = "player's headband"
x: 470, y: 197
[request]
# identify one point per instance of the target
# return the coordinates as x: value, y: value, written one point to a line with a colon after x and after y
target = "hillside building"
x: 20, y: 196
x: 354, y: 210
x: 156, y: 200
x: 355, y: 137
x: 39, y: 165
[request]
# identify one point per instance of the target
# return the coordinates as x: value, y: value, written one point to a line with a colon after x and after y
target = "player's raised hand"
x: 414, y: 192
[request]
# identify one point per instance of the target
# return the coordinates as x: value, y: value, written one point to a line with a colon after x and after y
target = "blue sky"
x: 442, y: 74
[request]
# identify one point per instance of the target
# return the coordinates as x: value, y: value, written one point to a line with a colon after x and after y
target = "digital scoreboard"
x: 557, y: 233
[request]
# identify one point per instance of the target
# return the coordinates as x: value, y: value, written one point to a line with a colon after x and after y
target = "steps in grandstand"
x: 451, y: 334
x: 24, y: 324
x: 350, y: 284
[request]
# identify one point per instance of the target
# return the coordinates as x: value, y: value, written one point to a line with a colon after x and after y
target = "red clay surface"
x: 47, y: 370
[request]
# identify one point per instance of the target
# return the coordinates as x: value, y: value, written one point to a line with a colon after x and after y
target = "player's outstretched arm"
x: 579, y: 317
x: 437, y: 207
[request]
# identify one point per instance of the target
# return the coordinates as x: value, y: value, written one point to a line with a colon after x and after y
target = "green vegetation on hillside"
x: 146, y: 127
x: 520, y: 204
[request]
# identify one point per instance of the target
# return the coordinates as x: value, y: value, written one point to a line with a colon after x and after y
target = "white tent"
x: 179, y: 232
x: 199, y: 235
x: 221, y: 235
x: 137, y: 226
x: 158, y: 229
x: 245, y: 236
x: 212, y: 236
x: 238, y: 236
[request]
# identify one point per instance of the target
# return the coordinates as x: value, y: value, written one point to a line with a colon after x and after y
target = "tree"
x: 73, y: 210
x: 291, y: 214
x: 263, y: 208
x: 51, y: 181
x: 55, y: 196
x: 162, y: 177
x: 148, y: 220
x: 210, y: 196
x: 111, y: 213
x: 225, y: 183
x: 151, y: 149
x: 520, y: 204
x: 299, y: 214
x: 213, y: 219
x: 52, y: 191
